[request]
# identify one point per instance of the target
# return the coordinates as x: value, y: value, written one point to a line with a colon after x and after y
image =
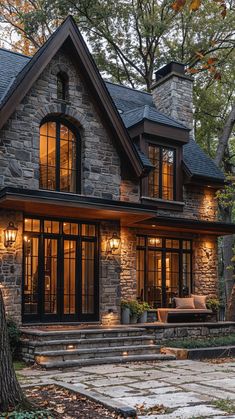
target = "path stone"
x: 191, y: 412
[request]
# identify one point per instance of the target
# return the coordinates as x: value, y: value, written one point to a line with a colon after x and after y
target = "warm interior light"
x: 114, y: 242
x: 153, y: 225
x: 10, y: 234
x: 154, y: 241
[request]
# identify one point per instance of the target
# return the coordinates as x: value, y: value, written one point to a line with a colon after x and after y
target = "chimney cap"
x: 172, y: 67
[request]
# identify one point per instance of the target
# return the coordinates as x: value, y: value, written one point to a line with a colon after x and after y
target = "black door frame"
x: 164, y: 250
x: 60, y: 317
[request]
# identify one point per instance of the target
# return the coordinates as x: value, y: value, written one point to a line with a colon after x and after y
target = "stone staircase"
x: 76, y: 347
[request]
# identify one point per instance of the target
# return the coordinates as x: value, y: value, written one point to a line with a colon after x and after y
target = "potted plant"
x: 135, y: 310
x: 125, y: 312
x: 213, y: 304
x: 144, y: 307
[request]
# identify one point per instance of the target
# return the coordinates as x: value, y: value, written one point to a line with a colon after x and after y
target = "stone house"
x: 104, y: 194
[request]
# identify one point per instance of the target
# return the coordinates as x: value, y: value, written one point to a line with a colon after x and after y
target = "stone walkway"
x: 189, y: 389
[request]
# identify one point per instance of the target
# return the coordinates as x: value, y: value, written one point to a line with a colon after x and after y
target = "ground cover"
x: 190, y: 343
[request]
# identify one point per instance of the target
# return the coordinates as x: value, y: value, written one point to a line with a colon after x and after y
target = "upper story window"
x: 161, y: 181
x: 59, y: 157
x: 62, y: 86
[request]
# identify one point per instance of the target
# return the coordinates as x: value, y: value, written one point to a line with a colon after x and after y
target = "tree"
x: 11, y: 395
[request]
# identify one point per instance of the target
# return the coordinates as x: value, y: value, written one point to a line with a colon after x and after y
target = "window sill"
x: 163, y: 204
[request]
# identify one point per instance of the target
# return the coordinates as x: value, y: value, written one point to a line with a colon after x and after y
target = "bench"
x: 171, y: 315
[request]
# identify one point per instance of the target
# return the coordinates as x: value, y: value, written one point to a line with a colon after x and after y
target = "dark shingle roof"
x: 198, y: 163
x: 11, y: 63
x: 134, y: 105
x: 150, y: 113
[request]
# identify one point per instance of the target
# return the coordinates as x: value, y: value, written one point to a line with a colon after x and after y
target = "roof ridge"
x: 16, y: 53
x: 127, y: 87
x: 146, y: 111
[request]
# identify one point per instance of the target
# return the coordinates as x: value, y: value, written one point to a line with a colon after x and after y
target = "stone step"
x: 74, y: 354
x: 106, y: 360
x: 39, y: 335
x: 64, y: 344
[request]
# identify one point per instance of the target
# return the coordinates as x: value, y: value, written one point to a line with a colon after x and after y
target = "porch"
x: 60, y: 346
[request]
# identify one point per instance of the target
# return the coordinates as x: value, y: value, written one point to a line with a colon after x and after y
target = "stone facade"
x: 173, y: 95
x: 11, y: 265
x: 19, y: 139
x: 205, y: 266
x: 128, y: 263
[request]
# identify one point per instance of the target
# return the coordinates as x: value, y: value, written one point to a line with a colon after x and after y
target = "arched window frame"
x: 63, y: 80
x: 63, y: 121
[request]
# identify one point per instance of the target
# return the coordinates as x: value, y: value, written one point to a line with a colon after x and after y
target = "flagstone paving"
x: 188, y: 389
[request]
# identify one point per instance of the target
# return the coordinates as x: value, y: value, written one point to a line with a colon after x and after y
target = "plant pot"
x: 143, y: 317
x: 134, y: 319
x: 125, y: 315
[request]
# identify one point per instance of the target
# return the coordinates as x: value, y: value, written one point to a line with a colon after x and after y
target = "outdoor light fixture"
x: 110, y: 311
x: 10, y: 234
x: 114, y: 242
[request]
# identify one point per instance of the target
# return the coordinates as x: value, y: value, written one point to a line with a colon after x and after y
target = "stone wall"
x: 128, y: 263
x: 110, y: 268
x: 205, y: 266
x: 173, y: 95
x: 19, y: 139
x: 11, y: 265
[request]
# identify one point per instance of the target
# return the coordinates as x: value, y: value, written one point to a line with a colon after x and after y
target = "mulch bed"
x: 65, y: 404
x: 219, y: 360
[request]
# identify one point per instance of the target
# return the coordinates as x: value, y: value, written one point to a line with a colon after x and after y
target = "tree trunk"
x: 11, y: 394
x: 224, y: 137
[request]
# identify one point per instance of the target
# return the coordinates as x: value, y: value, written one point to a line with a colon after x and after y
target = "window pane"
x: 172, y: 277
x: 31, y: 225
x: 167, y: 174
x: 154, y: 242
x: 187, y: 244
x: 153, y: 179
x: 67, y: 160
x: 48, y: 156
x: 140, y: 241
x: 186, y: 286
x: 70, y: 228
x: 154, y: 279
x: 140, y: 274
x: 69, y: 276
x: 88, y: 277
x: 50, y: 276
x: 51, y: 226
x: 31, y: 276
x: 172, y: 244
x: 88, y: 230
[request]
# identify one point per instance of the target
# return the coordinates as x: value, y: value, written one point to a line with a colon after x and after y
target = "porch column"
x: 128, y: 263
x: 205, y: 266
x: 11, y: 265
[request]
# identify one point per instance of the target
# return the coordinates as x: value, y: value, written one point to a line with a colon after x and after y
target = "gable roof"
x: 28, y: 74
x: 133, y: 104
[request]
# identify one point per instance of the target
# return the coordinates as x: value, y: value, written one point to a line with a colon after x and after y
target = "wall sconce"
x: 114, y: 242
x: 154, y: 241
x: 10, y: 234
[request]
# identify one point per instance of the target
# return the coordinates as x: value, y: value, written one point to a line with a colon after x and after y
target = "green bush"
x: 213, y: 304
x: 209, y: 342
x: 37, y: 414
x: 14, y: 337
x: 125, y: 304
x: 144, y: 306
x: 135, y: 308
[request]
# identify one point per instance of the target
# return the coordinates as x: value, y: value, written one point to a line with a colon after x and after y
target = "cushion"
x: 199, y: 301
x: 184, y: 302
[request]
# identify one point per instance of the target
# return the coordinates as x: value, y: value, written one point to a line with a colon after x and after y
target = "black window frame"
x: 164, y: 249
x: 161, y: 148
x: 62, y: 81
x: 62, y: 121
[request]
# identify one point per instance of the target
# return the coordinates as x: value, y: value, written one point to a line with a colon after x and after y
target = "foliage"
x: 226, y: 405
x: 144, y: 306
x: 135, y: 308
x: 125, y: 304
x: 21, y: 414
x: 213, y: 304
x: 14, y: 337
x: 190, y: 343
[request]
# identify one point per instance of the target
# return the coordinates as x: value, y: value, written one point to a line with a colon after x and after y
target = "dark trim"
x: 190, y: 178
x: 69, y: 32
x: 158, y: 203
x: 180, y: 135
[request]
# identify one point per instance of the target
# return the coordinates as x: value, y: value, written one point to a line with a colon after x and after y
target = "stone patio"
x: 189, y: 388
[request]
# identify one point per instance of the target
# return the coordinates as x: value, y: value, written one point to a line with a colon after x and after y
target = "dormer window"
x: 161, y: 181
x: 62, y: 86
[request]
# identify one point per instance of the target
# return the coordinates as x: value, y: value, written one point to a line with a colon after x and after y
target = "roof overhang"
x: 194, y: 179
x: 66, y: 205
x: 165, y: 131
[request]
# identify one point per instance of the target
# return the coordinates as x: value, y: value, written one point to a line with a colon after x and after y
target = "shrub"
x: 144, y: 306
x: 125, y: 304
x: 213, y: 304
x: 14, y: 337
x: 135, y: 308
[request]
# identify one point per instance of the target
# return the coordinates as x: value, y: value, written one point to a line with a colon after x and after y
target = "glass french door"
x: 164, y: 270
x: 60, y: 271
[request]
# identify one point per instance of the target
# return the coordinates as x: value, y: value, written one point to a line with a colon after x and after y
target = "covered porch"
x: 157, y: 257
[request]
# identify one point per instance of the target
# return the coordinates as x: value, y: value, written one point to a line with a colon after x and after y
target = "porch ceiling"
x: 57, y: 204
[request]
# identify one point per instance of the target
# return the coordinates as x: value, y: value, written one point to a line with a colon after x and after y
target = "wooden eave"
x: 62, y: 205
x: 192, y: 179
x: 30, y: 73
x: 160, y: 130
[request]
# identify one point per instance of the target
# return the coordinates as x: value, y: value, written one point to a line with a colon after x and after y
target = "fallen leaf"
x: 194, y: 5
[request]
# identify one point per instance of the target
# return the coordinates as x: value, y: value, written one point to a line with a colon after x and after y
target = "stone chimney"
x: 173, y: 93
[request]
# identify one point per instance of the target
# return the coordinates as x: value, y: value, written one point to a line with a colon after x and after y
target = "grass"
x: 190, y: 343
x: 225, y: 404
x: 19, y: 365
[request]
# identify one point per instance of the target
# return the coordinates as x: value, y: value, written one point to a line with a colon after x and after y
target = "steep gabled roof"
x: 20, y: 85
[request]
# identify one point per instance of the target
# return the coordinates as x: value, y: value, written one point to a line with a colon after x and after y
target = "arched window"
x: 59, y: 156
x: 62, y: 86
